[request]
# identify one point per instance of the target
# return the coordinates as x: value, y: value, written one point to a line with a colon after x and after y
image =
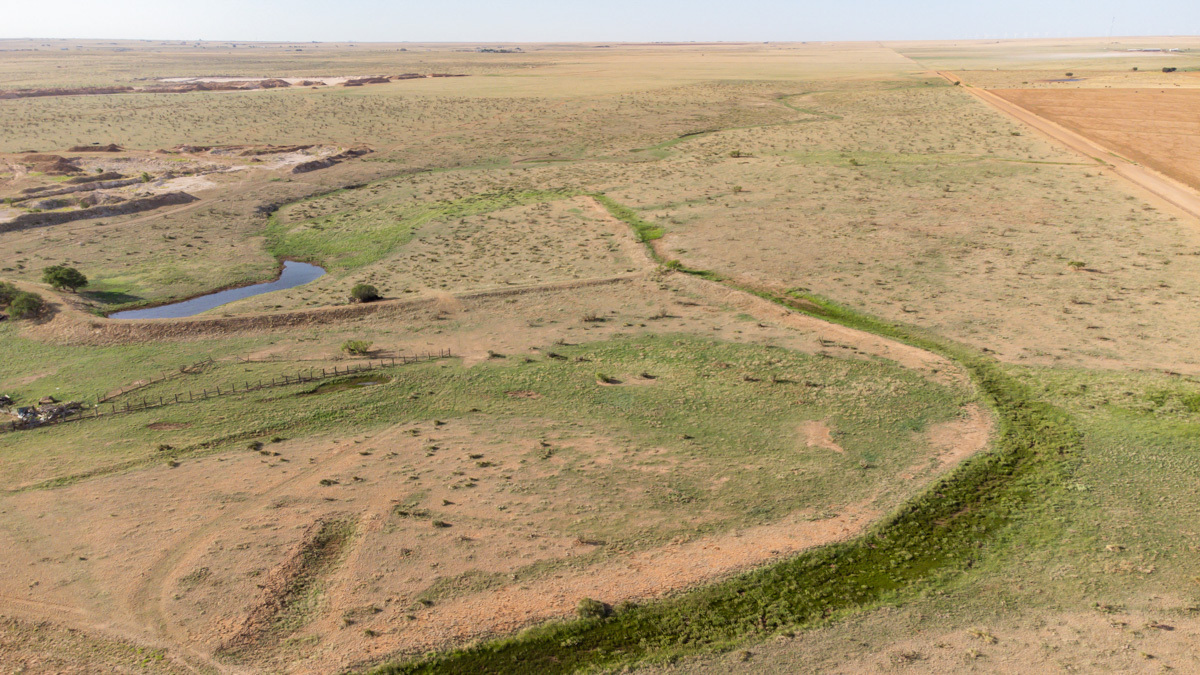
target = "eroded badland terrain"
x: 779, y: 357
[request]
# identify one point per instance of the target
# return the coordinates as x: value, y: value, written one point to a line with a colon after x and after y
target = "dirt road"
x: 1167, y: 189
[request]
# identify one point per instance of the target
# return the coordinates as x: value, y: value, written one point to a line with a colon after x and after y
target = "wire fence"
x: 155, y: 379
x: 145, y: 403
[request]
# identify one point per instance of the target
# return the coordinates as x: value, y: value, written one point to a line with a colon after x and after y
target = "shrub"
x: 7, y: 293
x: 61, y: 276
x: 1168, y: 70
x: 364, y: 293
x: 358, y: 347
x: 26, y: 305
x: 592, y: 609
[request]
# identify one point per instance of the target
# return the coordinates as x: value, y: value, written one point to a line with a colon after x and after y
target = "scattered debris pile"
x: 51, y: 165
x: 56, y: 91
x: 47, y: 410
x: 96, y: 147
x: 358, y: 82
x: 107, y: 175
x: 327, y: 162
x: 271, y: 149
x: 29, y: 220
x: 51, y: 191
x: 185, y: 87
x: 235, y: 150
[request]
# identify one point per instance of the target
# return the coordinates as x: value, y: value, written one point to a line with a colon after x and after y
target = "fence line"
x: 301, y: 376
x: 166, y: 375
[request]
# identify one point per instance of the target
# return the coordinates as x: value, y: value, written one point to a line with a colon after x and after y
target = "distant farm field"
x: 1157, y: 127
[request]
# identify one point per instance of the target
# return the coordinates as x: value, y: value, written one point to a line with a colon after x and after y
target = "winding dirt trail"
x: 1167, y: 189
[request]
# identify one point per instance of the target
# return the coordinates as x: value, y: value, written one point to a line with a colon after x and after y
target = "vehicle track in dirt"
x: 151, y: 597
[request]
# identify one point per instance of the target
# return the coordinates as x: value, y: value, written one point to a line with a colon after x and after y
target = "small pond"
x: 294, y: 274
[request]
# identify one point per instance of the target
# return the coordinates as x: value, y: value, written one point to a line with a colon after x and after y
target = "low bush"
x: 26, y: 306
x: 7, y: 293
x: 364, y: 293
x: 591, y: 609
x: 357, y: 347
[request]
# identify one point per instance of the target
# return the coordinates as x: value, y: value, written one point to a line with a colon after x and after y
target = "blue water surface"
x: 294, y: 274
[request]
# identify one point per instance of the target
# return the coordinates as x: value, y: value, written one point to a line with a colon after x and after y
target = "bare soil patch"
x: 818, y: 435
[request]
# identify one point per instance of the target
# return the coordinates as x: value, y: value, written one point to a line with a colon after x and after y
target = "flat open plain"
x: 793, y: 355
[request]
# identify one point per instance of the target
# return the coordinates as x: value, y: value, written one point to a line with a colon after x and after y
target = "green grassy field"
x: 739, y: 400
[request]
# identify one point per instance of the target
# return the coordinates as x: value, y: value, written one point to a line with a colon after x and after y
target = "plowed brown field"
x: 1156, y: 127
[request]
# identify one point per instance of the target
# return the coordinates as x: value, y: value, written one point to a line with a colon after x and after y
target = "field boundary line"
x: 1175, y: 193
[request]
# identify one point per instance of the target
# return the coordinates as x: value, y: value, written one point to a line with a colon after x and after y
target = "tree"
x: 26, y: 305
x: 364, y: 293
x: 61, y: 276
x: 7, y: 293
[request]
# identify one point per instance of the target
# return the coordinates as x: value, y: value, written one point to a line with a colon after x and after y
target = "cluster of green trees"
x: 19, y: 304
x: 24, y: 305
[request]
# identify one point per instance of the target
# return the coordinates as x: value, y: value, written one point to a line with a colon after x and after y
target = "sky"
x: 593, y: 20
